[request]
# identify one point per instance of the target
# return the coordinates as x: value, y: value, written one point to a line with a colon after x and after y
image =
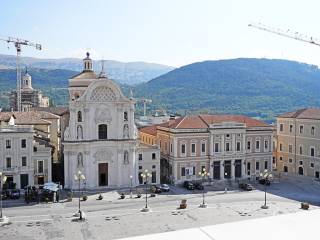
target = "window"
x: 35, y: 149
x: 301, y: 129
x: 153, y: 155
x: 280, y: 158
x: 300, y: 162
x: 274, y: 160
x: 165, y: 146
x: 265, y: 164
x: 171, y: 147
x: 154, y: 177
x: 312, y: 151
x: 203, y: 147
x: 125, y: 116
x: 79, y: 115
x: 183, y: 149
x: 8, y: 144
x: 153, y: 166
x: 160, y: 143
x: 266, y: 144
x: 140, y: 167
x: 280, y: 147
x: 238, y: 146
x: 193, y: 148
x: 40, y: 166
x: 140, y: 156
x: 290, y: 148
x: 23, y: 143
x: 291, y: 128
x: 290, y: 160
x: 257, y: 144
x: 24, y: 161
x: 312, y: 130
x: 8, y: 162
x: 103, y: 131
x: 193, y: 170
x: 257, y: 166
x: 183, y: 171
x: 300, y: 150
x: 227, y: 147
x: 216, y: 147
x: 248, y: 145
x: 285, y: 168
x: 228, y: 135
x: 203, y: 169
x: 312, y: 165
x: 281, y: 127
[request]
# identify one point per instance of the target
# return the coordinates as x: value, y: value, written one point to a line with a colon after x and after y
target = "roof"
x: 28, y: 118
x: 305, y: 113
x: 54, y: 110
x: 151, y: 130
x: 203, y: 121
x: 85, y: 74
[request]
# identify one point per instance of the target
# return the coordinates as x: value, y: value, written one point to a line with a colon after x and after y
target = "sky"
x: 170, y: 32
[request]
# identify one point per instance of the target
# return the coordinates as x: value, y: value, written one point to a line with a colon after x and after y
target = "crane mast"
x: 286, y: 33
x: 18, y: 43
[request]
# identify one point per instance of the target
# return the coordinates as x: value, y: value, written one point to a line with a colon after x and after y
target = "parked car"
x: 245, y: 186
x: 188, y: 185
x: 155, y: 189
x: 198, y: 186
x: 264, y: 181
x: 164, y: 187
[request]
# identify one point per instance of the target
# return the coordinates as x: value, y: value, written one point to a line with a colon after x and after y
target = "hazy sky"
x: 172, y: 32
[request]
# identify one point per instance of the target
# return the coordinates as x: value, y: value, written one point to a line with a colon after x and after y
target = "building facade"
x: 298, y: 142
x: 29, y: 97
x: 22, y: 159
x: 101, y: 139
x: 226, y: 146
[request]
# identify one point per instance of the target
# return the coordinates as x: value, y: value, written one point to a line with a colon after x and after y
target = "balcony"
x: 41, y: 173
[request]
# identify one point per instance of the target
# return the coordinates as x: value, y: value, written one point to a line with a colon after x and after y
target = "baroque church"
x: 101, y: 139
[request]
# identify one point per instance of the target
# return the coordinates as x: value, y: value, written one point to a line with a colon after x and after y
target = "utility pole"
x: 18, y: 43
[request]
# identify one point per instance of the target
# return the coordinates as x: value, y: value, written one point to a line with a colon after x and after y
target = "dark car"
x: 198, y: 186
x: 245, y: 186
x: 155, y: 189
x: 164, y: 187
x: 188, y: 185
x: 264, y: 181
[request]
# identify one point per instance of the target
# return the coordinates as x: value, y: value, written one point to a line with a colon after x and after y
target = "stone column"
x: 210, y: 145
x: 232, y: 169
x: 221, y: 170
x: 243, y: 168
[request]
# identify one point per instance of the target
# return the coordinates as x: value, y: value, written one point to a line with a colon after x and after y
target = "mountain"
x: 124, y: 72
x: 255, y: 87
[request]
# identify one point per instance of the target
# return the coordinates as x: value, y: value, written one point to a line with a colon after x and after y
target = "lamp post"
x: 225, y: 176
x: 78, y: 177
x: 146, y: 176
x: 130, y: 186
x: 266, y: 175
x: 204, y: 174
x: 3, y: 179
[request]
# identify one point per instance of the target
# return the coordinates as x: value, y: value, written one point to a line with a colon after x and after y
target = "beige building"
x: 298, y: 142
x: 227, y: 146
x: 24, y: 159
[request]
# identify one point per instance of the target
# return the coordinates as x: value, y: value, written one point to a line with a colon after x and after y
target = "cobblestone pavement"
x: 112, y: 218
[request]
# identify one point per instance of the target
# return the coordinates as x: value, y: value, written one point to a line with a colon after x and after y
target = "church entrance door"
x: 103, y: 174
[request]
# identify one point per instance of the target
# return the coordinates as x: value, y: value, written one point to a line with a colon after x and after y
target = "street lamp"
x: 130, y: 186
x: 266, y: 175
x: 225, y: 176
x: 146, y: 176
x: 3, y: 179
x: 78, y: 177
x: 203, y: 175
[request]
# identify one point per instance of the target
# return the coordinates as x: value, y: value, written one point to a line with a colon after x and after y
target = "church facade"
x: 101, y: 139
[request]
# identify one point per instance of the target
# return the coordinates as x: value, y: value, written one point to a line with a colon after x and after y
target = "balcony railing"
x: 41, y: 173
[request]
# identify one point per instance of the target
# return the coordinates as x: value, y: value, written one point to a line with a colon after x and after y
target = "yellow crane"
x: 286, y: 33
x: 18, y: 43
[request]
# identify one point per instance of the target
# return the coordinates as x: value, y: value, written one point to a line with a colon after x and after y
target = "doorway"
x: 24, y: 180
x: 227, y: 169
x: 300, y: 170
x: 216, y: 170
x: 237, y: 164
x: 103, y: 174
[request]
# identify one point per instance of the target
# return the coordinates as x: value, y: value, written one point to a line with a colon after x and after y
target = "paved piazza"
x: 112, y: 218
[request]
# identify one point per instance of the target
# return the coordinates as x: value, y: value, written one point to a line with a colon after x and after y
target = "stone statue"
x: 126, y: 131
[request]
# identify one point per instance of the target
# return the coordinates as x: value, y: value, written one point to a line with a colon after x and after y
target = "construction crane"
x: 18, y: 43
x: 286, y: 33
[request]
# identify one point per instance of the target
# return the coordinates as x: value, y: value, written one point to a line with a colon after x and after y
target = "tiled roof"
x: 54, y: 110
x: 151, y: 130
x: 203, y: 121
x: 305, y: 113
x: 28, y: 118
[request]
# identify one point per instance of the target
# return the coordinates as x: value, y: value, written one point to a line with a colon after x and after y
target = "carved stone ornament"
x: 103, y: 94
x: 103, y: 156
x: 102, y: 115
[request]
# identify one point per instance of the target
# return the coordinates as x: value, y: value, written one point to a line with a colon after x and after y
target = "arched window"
x: 79, y: 116
x: 125, y: 116
x: 126, y: 157
x: 79, y: 132
x: 103, y: 131
x: 80, y: 160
